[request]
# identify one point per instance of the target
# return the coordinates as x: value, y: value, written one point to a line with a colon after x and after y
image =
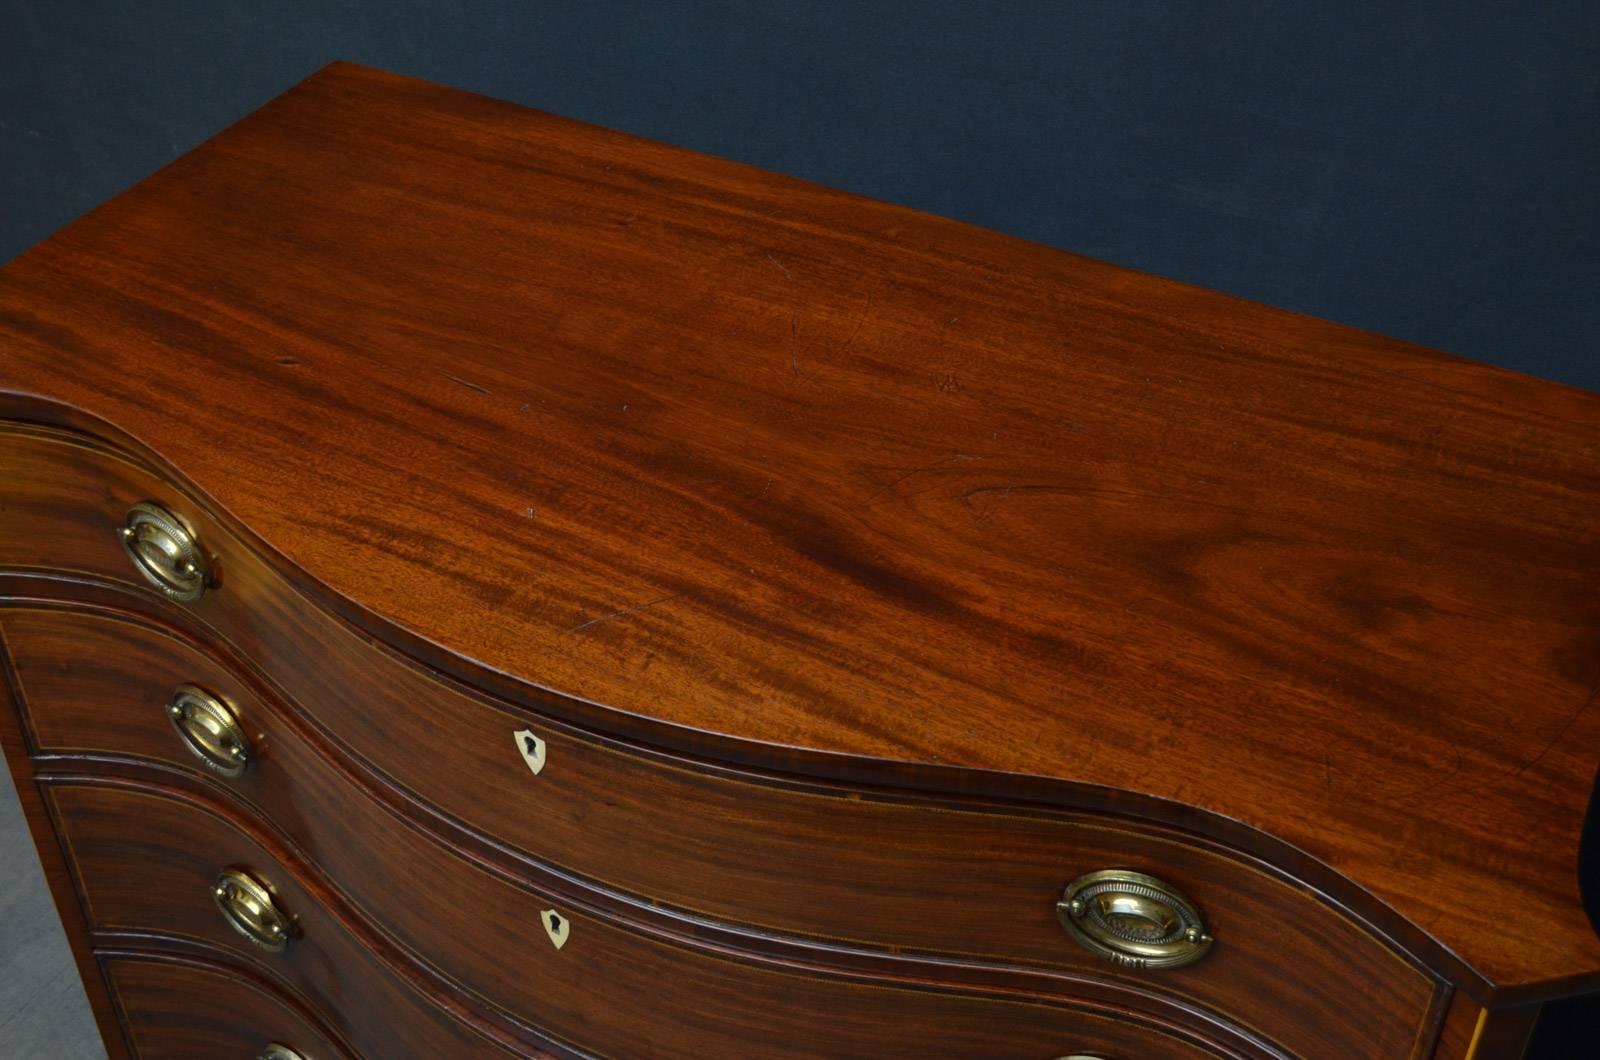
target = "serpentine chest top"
x: 479, y: 584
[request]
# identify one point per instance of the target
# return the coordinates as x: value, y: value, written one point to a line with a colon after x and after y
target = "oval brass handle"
x: 278, y: 1051
x: 165, y: 551
x: 209, y: 730
x: 1133, y: 920
x: 248, y: 907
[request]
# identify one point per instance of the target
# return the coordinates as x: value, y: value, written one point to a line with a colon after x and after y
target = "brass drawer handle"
x: 248, y: 907
x: 276, y: 1051
x: 165, y: 551
x: 209, y: 730
x: 1133, y: 920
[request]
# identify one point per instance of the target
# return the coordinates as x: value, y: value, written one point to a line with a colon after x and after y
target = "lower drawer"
x: 175, y: 1008
x: 146, y: 857
x: 145, y: 863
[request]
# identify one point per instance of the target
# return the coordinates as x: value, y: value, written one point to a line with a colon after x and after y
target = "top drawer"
x: 874, y: 869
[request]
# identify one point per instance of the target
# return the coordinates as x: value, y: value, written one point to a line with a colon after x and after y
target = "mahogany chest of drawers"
x: 474, y: 584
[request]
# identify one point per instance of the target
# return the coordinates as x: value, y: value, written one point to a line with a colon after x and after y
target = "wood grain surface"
x: 135, y: 847
x: 693, y: 442
x: 145, y: 870
x: 831, y: 865
x: 57, y: 872
x: 183, y: 1009
x: 908, y: 879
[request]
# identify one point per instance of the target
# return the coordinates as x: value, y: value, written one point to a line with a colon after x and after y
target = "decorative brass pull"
x: 209, y: 730
x: 165, y: 551
x: 1134, y: 920
x: 248, y: 907
x: 276, y: 1051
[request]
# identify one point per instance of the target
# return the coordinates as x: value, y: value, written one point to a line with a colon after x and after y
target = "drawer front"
x: 920, y: 877
x: 143, y: 863
x: 146, y: 858
x: 184, y: 1009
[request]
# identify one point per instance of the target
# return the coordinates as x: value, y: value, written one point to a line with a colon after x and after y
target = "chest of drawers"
x: 474, y: 584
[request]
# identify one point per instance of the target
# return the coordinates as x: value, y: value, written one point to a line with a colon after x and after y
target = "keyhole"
x: 532, y: 744
x: 555, y: 922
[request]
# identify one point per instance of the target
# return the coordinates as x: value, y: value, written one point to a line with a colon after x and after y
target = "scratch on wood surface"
x: 987, y: 512
x: 781, y: 265
x: 1560, y: 734
x: 581, y: 626
x: 893, y: 485
x: 1012, y: 487
x: 463, y: 382
x: 1433, y: 788
x: 861, y: 318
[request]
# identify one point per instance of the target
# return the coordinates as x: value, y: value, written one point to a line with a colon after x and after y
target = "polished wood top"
x: 758, y: 458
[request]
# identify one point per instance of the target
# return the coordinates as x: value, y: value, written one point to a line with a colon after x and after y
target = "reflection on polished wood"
x: 745, y: 848
x: 783, y: 599
x: 161, y: 996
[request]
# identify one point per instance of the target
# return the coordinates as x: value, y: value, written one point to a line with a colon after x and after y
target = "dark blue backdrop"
x: 1431, y: 170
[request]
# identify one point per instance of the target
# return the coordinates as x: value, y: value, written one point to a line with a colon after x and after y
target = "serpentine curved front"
x: 575, y: 596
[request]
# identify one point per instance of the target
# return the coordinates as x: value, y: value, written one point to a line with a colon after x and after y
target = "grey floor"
x: 43, y: 1013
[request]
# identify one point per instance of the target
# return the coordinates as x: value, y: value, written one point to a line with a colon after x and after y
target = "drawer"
x: 143, y: 862
x: 808, y: 861
x: 176, y: 1008
x: 145, y: 858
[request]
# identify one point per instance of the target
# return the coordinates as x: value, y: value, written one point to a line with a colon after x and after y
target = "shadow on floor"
x: 43, y: 1012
